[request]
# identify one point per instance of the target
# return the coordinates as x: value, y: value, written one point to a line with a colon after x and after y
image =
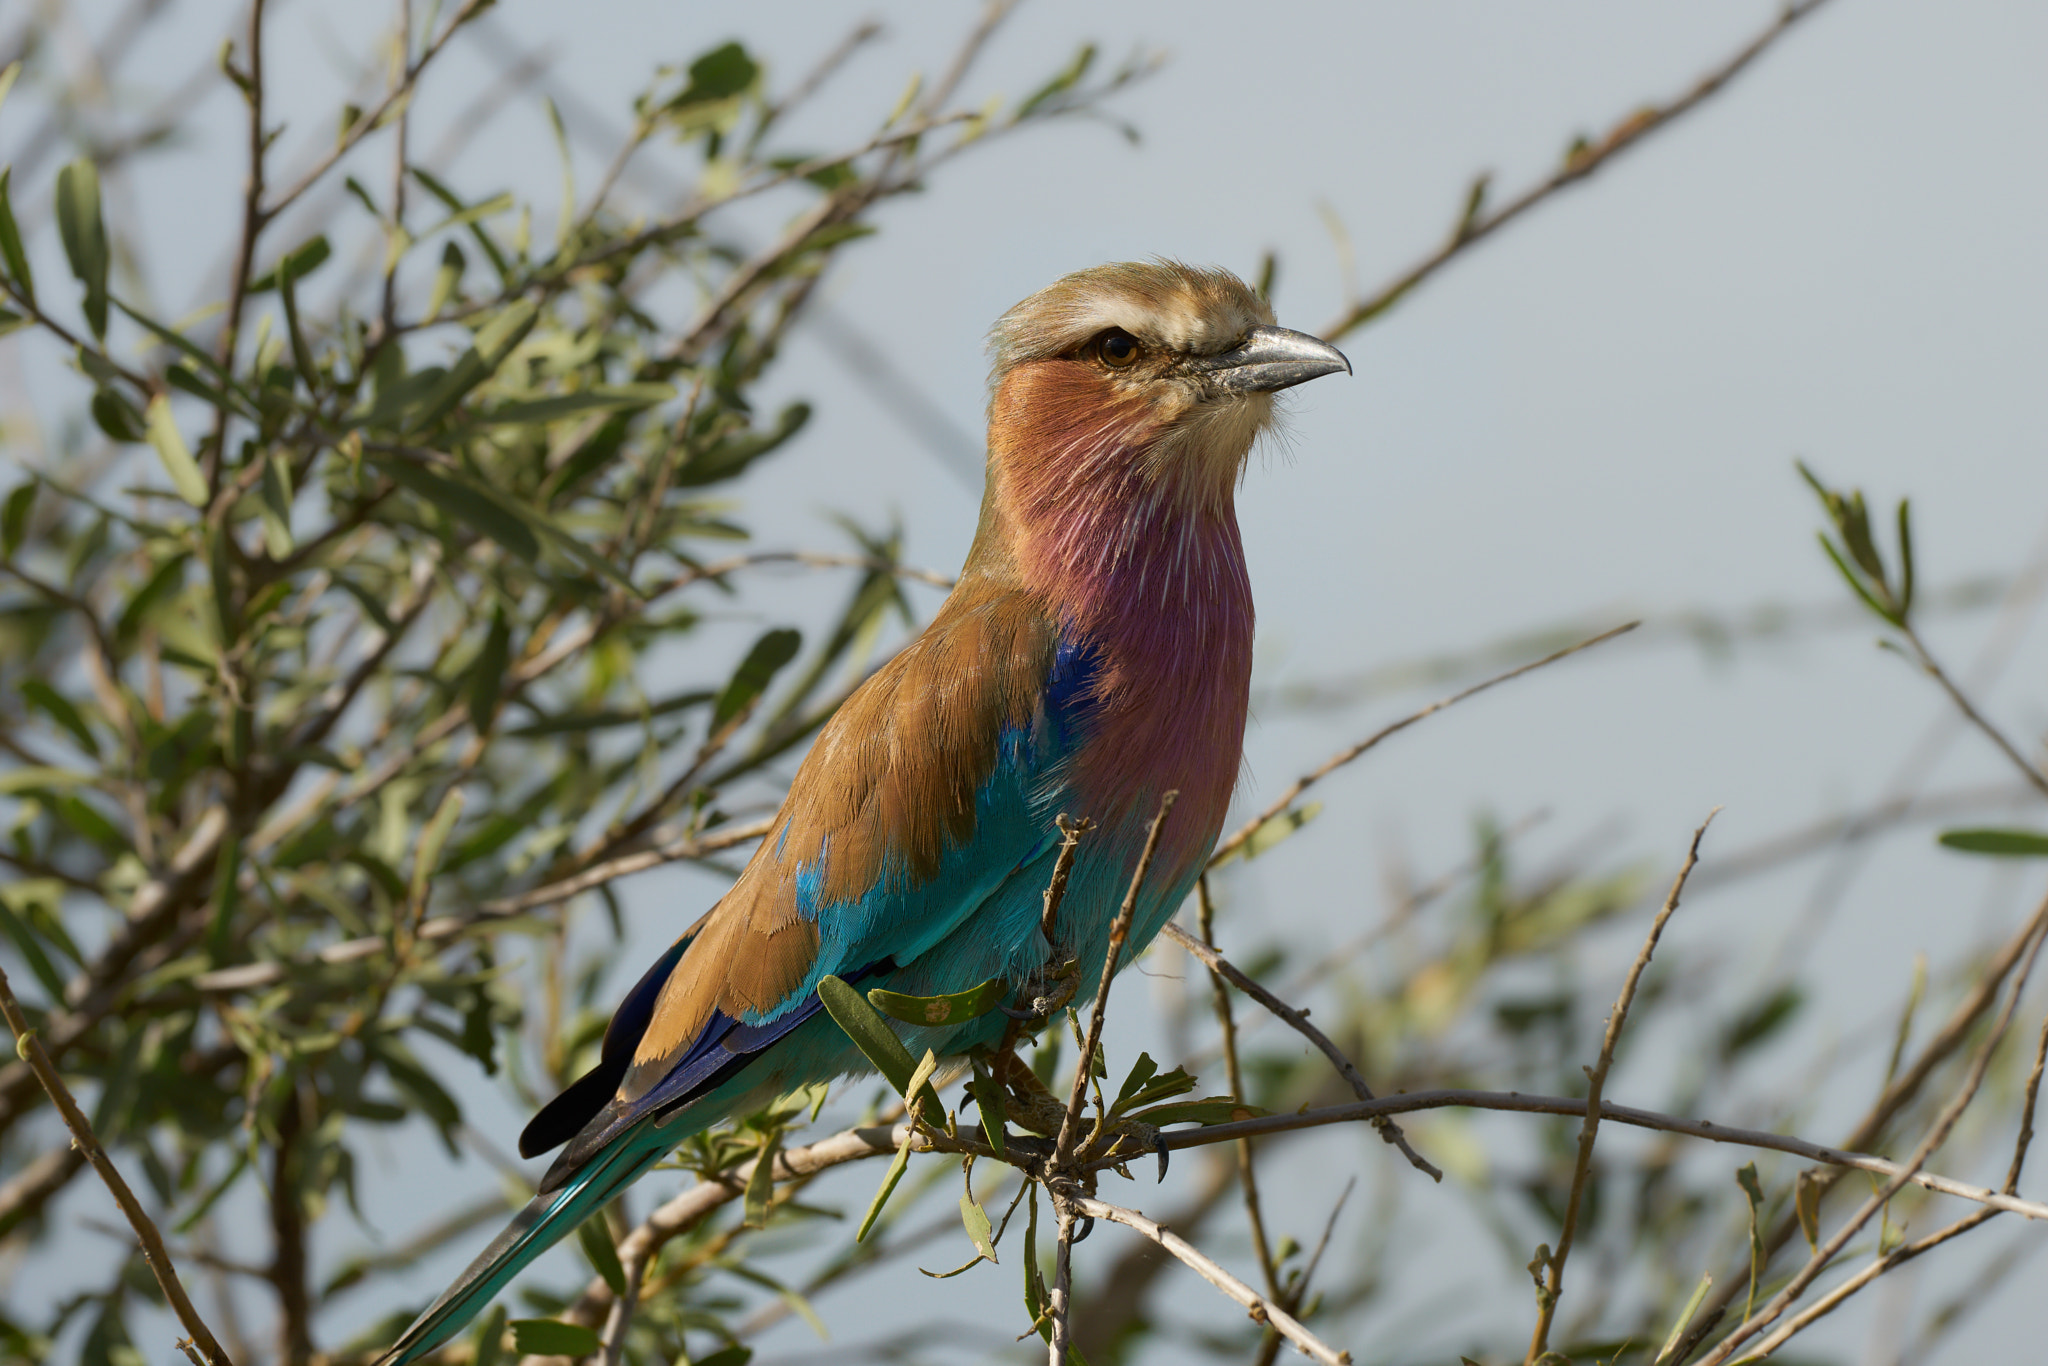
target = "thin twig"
x: 1119, y: 932
x: 1299, y: 1022
x: 1261, y: 1310
x: 1582, y: 161
x: 1226, y: 1022
x: 1237, y: 839
x: 1059, y: 1296
x: 1937, y: 1134
x: 1932, y: 667
x: 1519, y: 1102
x: 82, y: 1136
x: 1898, y: 1256
x: 1596, y: 1081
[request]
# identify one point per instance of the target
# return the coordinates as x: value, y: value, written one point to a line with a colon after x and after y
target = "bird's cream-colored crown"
x: 1176, y: 308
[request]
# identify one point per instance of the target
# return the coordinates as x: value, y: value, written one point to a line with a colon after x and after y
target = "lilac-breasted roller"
x: 1095, y: 654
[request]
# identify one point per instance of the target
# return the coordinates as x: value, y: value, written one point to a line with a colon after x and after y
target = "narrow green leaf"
x: 1692, y: 1306
x: 552, y: 1338
x: 988, y: 1102
x: 1905, y: 558
x: 11, y: 254
x: 298, y: 263
x: 739, y: 1354
x: 427, y: 858
x: 14, y: 515
x: 595, y: 1236
x: 616, y: 397
x: 31, y: 950
x: 490, y: 348
x: 897, y: 1165
x: 976, y: 1220
x: 1142, y: 1071
x: 227, y: 868
x: 36, y: 777
x: 11, y: 322
x: 761, y: 1183
x: 487, y: 675
x: 1998, y: 843
x: 85, y: 236
x: 7, y: 79
x: 275, y: 493
x: 1752, y: 1189
x: 957, y: 1008
x: 302, y: 354
x: 770, y: 653
x: 1806, y: 1201
x: 1210, y: 1110
x: 1067, y: 78
x: 490, y: 1338
x: 175, y: 454
x: 465, y: 503
x: 868, y: 1031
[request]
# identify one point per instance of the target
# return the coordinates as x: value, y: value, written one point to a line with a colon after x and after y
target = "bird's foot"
x: 1046, y: 992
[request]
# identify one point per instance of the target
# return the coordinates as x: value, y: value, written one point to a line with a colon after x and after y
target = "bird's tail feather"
x: 545, y: 1221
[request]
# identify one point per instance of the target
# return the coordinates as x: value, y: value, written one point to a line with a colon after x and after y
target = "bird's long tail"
x: 545, y: 1221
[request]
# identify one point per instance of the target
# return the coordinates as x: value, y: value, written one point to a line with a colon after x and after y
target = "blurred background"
x: 1589, y: 418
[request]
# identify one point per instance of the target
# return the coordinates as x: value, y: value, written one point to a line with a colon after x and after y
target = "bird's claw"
x: 1047, y: 992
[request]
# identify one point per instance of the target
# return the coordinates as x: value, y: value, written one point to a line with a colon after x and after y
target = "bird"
x: 1094, y: 655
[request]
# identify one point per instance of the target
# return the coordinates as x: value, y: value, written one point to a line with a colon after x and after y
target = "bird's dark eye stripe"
x: 1117, y: 348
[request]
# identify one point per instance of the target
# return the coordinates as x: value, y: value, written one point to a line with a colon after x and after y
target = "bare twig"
x: 31, y: 1049
x: 1475, y: 223
x: 1239, y: 837
x: 1119, y: 933
x: 1596, y: 1080
x: 1898, y: 1256
x: 1932, y: 667
x: 1226, y: 1023
x: 1936, y: 1135
x: 1261, y: 1309
x: 1518, y: 1102
x: 1059, y: 1296
x: 1299, y: 1022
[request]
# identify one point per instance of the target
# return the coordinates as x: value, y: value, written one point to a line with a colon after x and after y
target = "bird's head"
x: 1140, y: 385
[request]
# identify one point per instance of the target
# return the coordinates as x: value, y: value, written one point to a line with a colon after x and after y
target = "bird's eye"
x: 1117, y: 348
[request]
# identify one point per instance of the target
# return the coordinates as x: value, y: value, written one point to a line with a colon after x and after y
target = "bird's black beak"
x: 1271, y: 358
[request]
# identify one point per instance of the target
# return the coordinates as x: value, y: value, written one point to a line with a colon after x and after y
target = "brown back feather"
x: 890, y: 786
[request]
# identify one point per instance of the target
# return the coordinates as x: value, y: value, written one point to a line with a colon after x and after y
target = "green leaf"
x: 7, y: 78
x: 490, y: 1338
x: 770, y: 653
x: 31, y: 950
x: 1806, y: 1202
x: 595, y: 1236
x: 14, y: 515
x: 606, y: 398
x: 275, y: 494
x: 1998, y: 843
x: 175, y: 454
x: 11, y: 254
x: 1068, y: 77
x: 1211, y: 1110
x: 466, y: 503
x: 870, y: 1034
x: 739, y: 1354
x: 727, y: 458
x: 957, y: 1008
x: 553, y: 1338
x: 988, y: 1101
x: 761, y: 1183
x: 490, y: 348
x: 427, y: 858
x: 1745, y: 1176
x: 916, y: 1085
x: 114, y: 415
x: 58, y: 708
x: 33, y: 778
x: 717, y: 75
x: 976, y: 1220
x: 298, y: 263
x: 487, y: 676
x: 85, y: 236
